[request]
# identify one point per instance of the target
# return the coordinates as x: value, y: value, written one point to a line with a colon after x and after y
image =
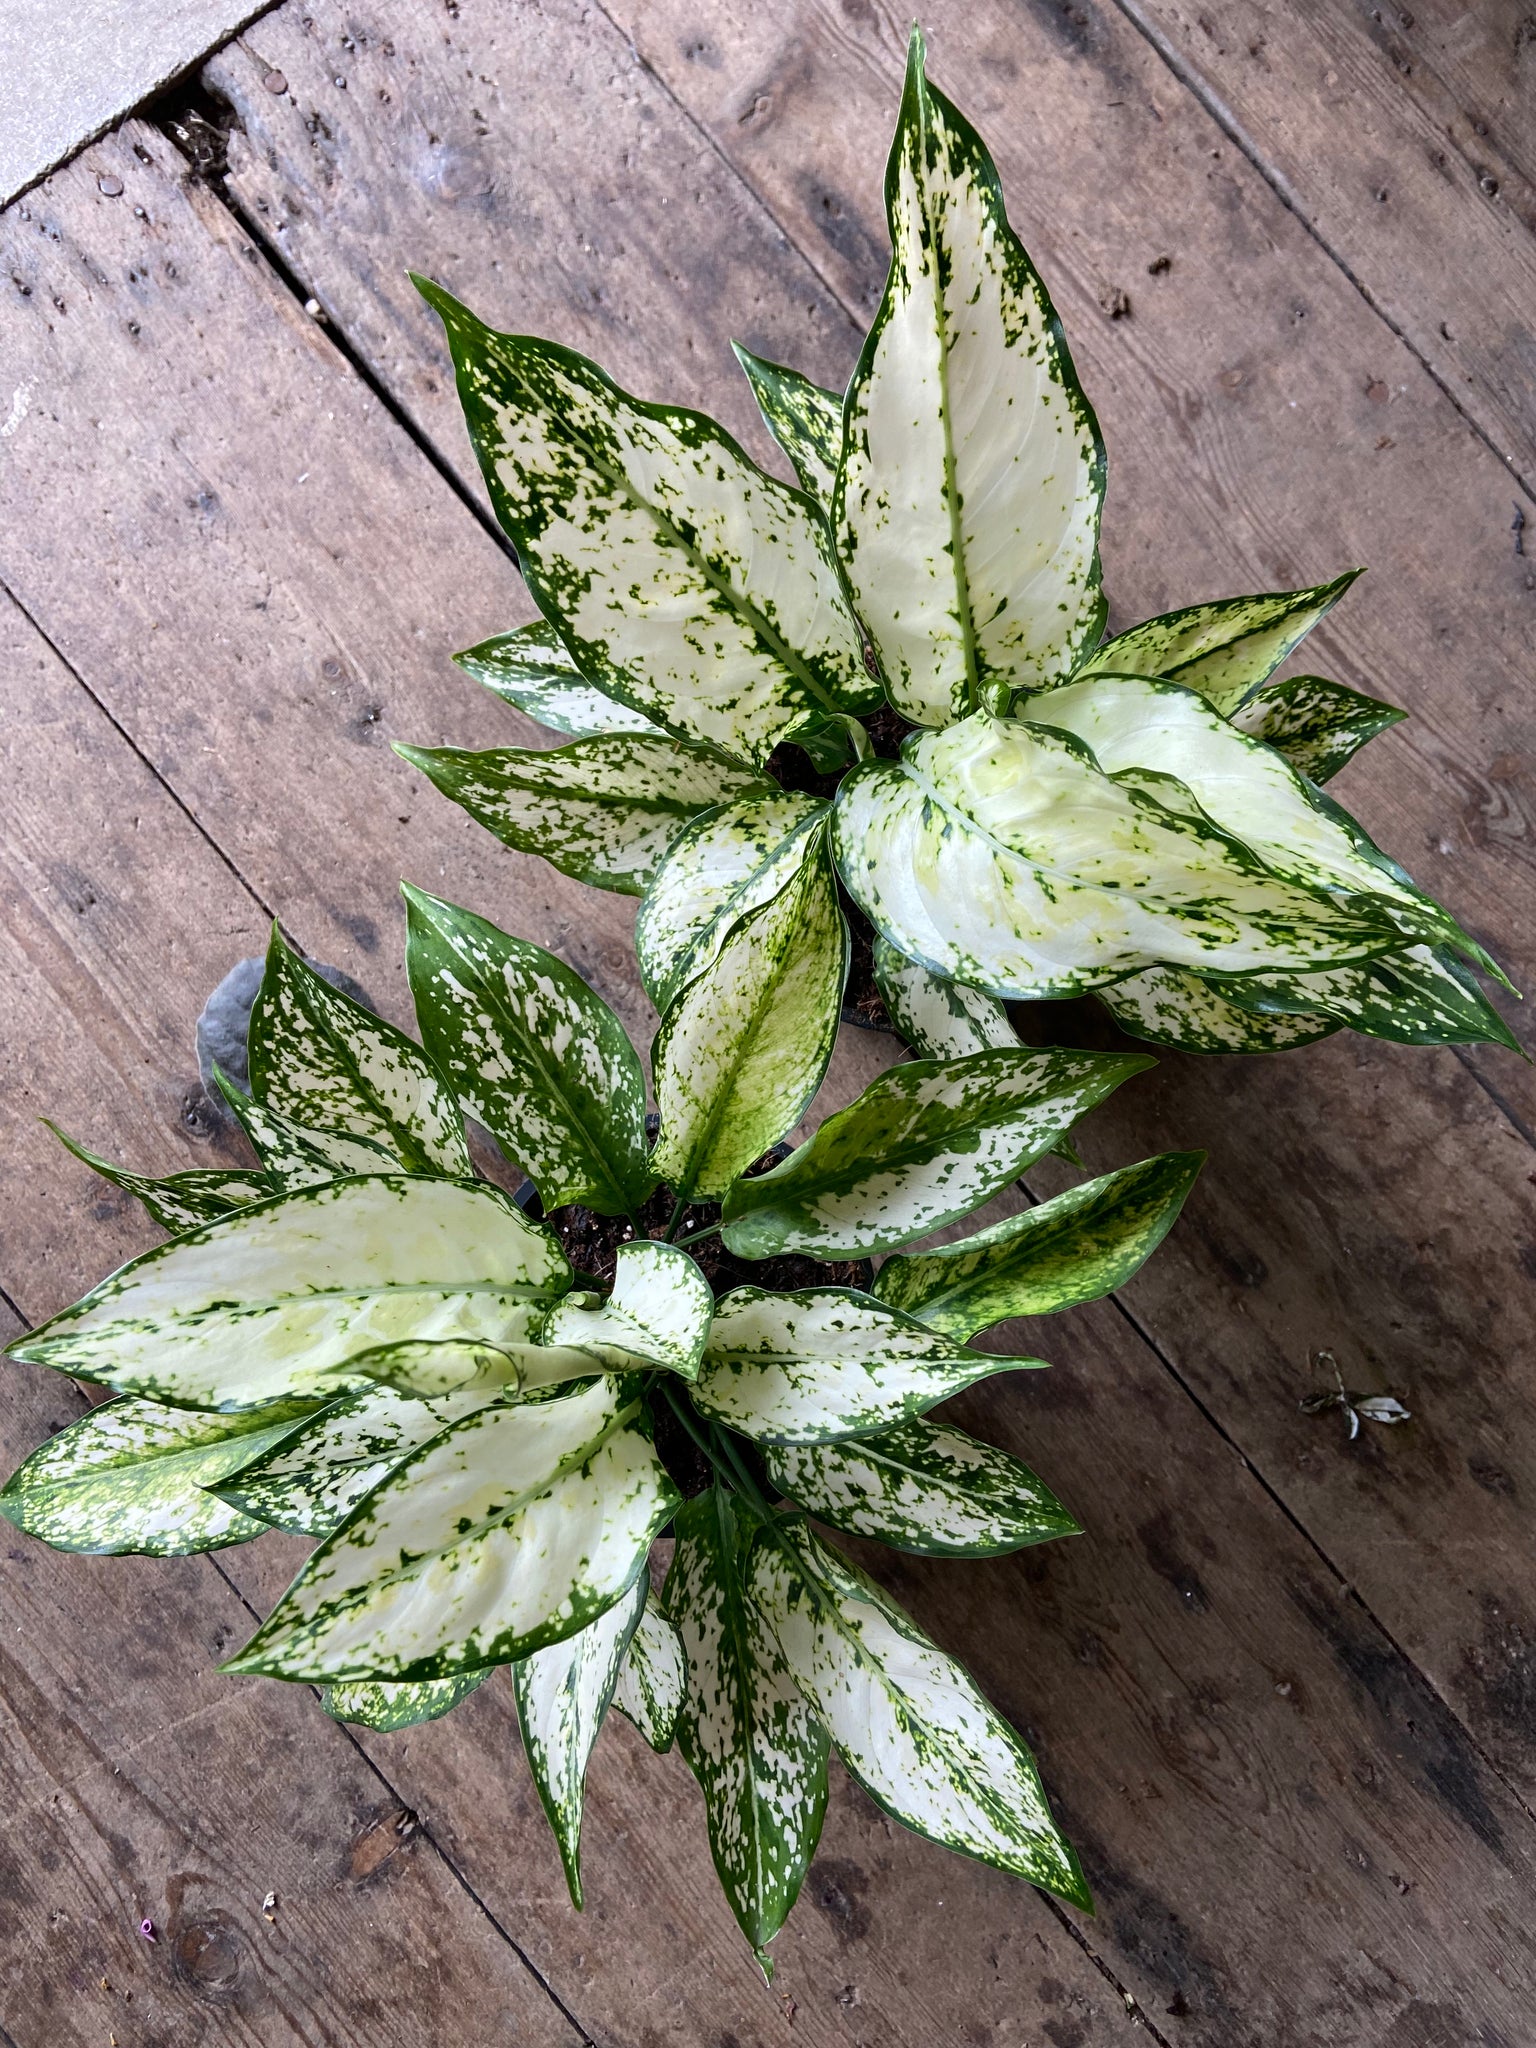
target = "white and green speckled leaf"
x: 682, y: 578
x: 179, y: 1201
x: 651, y: 1678
x: 998, y: 854
x: 972, y: 475
x: 1420, y: 996
x: 1170, y: 1006
x: 908, y: 1721
x: 386, y: 1708
x: 563, y: 1694
x: 1225, y: 649
x: 657, y: 1315
x: 758, y: 1752
x: 328, y: 1064
x: 925, y: 1144
x: 828, y: 1362
x: 315, y: 1475
x: 603, y: 810
x: 923, y: 1487
x: 129, y: 1476
x: 726, y: 864
x: 938, y: 1019
x: 507, y: 1532
x: 534, y: 1053
x: 743, y: 1048
x: 805, y: 420
x: 294, y: 1156
x: 519, y: 1363
x: 532, y: 669
x: 1142, y: 725
x: 268, y: 1303
x: 1074, y: 1248
x: 1318, y: 725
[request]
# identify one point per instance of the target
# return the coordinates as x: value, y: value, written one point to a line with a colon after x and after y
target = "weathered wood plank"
x: 66, y: 73
x: 1347, y: 1181
x: 122, y: 916
x: 1404, y: 138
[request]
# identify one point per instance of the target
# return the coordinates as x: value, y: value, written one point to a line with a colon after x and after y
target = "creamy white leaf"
x: 295, y: 1156
x: 725, y: 865
x: 532, y: 669
x: 967, y: 502
x: 657, y: 1315
x: 651, y: 1678
x: 939, y: 1020
x: 270, y: 1302
x: 997, y: 853
x: 509, y: 1531
x: 908, y: 1721
x: 386, y: 1707
x: 562, y: 1696
x: 603, y: 810
x: 682, y: 578
x: 1169, y: 1006
x: 826, y: 1363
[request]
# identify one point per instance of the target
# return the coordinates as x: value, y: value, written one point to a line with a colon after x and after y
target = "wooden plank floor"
x: 1284, y: 1690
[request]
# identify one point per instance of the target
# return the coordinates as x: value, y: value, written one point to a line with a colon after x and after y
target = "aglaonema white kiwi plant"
x: 364, y: 1342
x: 1141, y: 817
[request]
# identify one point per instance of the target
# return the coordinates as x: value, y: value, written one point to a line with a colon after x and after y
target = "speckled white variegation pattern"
x: 683, y: 579
x: 534, y: 1053
x: 330, y: 1065
x: 532, y: 669
x: 603, y: 810
x: 923, y: 1487
x: 1170, y: 1006
x: 828, y: 1362
x: 268, y: 1303
x: 724, y: 866
x: 805, y: 420
x: 650, y: 1683
x: 940, y: 1020
x: 658, y: 1313
x: 179, y: 1201
x: 967, y: 504
x: 907, y: 1720
x: 508, y: 1532
x: 1318, y: 725
x: 386, y: 1707
x: 924, y: 1144
x: 562, y: 1696
x: 758, y: 1752
x: 998, y: 853
x: 296, y: 1156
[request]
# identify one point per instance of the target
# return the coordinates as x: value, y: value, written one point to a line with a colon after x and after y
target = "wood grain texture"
x: 1405, y: 138
x: 1362, y: 1198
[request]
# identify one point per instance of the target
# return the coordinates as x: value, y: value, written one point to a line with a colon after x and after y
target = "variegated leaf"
x: 1420, y: 996
x: 681, y: 577
x: 1316, y: 724
x: 509, y: 1531
x: 1074, y: 1248
x: 562, y: 1696
x: 1139, y: 724
x: 533, y: 670
x: 315, y: 1475
x: 295, y: 1157
x: 828, y: 1363
x: 938, y: 1019
x: 324, y: 1061
x: 908, y: 1721
x: 925, y: 1144
x: 651, y: 1679
x: 923, y: 1487
x: 129, y: 1477
x: 1225, y: 649
x: 270, y: 1302
x: 181, y: 1201
x: 519, y: 1363
x: 998, y: 854
x: 657, y: 1315
x: 386, y: 1708
x: 727, y: 864
x: 806, y: 421
x: 744, y: 1047
x: 967, y: 503
x: 758, y: 1752
x: 604, y: 810
x: 1170, y: 1006
x: 534, y: 1053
